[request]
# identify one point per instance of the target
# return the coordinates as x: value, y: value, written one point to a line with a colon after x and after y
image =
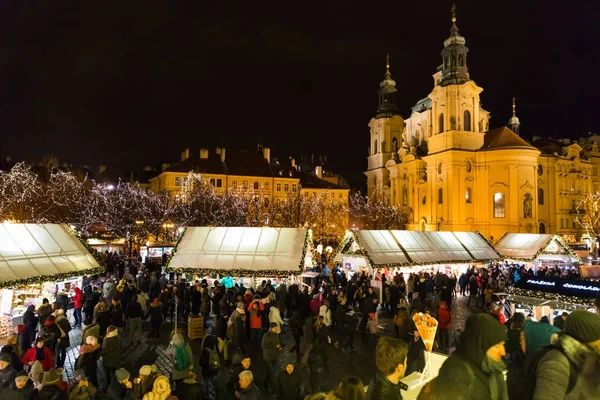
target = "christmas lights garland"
x: 51, y: 278
x: 551, y: 296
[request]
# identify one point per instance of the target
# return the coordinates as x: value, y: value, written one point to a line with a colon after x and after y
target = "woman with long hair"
x: 350, y: 388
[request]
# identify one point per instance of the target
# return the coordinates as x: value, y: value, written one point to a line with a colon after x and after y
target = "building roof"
x: 501, y: 138
x: 210, y: 165
x: 310, y: 181
x: 247, y: 162
x: 547, y: 146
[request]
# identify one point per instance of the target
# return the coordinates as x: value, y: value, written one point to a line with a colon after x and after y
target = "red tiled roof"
x: 501, y: 138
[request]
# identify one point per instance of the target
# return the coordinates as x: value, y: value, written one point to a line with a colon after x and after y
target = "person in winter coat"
x: 103, y: 317
x: 83, y: 389
x: 51, y: 332
x: 296, y: 323
x: 36, y: 374
x: 248, y: 389
x: 44, y: 311
x: 21, y: 389
x: 29, y: 317
x: 116, y: 313
x: 238, y: 327
x: 64, y: 341
x: 288, y: 384
x: 15, y: 361
x: 209, y: 372
x: 88, y: 359
x: 120, y: 387
x: 515, y: 326
x: 205, y: 307
x: 271, y: 347
x: 401, y: 323
x: 233, y: 385
x: 77, y: 305
x: 26, y: 337
x: 189, y: 389
x: 576, y: 351
x: 145, y: 380
x: 275, y: 316
x: 61, y: 301
x: 90, y: 330
x: 156, y: 318
x: 255, y: 309
x: 183, y: 358
x: 390, y: 360
x: 87, y: 302
x: 134, y: 315
x: 416, y: 351
x: 7, y: 372
x: 476, y: 365
x: 111, y: 352
x: 317, y: 361
x: 161, y: 390
x: 51, y: 389
x: 39, y: 352
x: 444, y: 318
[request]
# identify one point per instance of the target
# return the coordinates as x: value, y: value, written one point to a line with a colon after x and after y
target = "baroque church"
x: 452, y: 172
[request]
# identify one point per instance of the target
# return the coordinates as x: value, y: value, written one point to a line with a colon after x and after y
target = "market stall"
x: 552, y: 296
x: 406, y: 251
x: 37, y: 261
x: 536, y: 250
x: 246, y: 254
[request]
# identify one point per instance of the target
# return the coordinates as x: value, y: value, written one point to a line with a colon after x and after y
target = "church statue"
x: 480, y: 125
x: 527, y: 206
x: 452, y: 123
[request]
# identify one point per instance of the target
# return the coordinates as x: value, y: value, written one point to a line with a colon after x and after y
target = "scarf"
x: 494, y: 370
x: 181, y: 357
x: 39, y: 354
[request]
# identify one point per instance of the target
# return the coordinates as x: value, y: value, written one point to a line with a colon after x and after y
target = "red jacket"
x: 30, y: 357
x: 444, y: 317
x: 77, y: 297
x: 255, y: 318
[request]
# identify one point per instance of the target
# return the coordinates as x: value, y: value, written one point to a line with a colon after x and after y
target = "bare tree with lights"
x: 376, y: 212
x: 588, y: 214
x: 23, y: 196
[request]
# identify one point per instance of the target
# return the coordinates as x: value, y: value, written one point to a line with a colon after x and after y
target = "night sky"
x: 133, y: 83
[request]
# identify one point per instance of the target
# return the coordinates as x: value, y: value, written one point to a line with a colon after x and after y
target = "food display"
x: 427, y: 327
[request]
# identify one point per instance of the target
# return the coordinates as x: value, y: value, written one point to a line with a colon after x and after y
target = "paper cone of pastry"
x: 427, y: 327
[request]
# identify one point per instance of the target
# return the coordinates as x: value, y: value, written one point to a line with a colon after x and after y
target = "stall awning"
x: 241, y: 251
x: 419, y: 248
x: 531, y: 246
x: 42, y: 251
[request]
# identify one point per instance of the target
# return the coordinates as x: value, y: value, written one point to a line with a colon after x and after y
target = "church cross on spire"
x: 453, y: 12
x: 387, y: 61
x: 514, y: 106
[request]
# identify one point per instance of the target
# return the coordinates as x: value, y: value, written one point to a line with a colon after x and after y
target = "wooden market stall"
x: 239, y: 252
x: 37, y: 261
x: 536, y: 249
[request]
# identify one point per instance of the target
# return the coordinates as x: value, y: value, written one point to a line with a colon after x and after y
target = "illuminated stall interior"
x: 245, y: 254
x: 36, y: 261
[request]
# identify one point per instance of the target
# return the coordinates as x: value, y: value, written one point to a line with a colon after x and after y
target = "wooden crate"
x: 195, y: 327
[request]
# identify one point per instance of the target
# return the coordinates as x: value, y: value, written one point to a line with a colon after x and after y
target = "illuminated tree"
x: 376, y: 212
x: 588, y: 214
x: 22, y: 196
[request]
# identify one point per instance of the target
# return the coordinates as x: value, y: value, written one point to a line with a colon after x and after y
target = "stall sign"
x: 576, y: 287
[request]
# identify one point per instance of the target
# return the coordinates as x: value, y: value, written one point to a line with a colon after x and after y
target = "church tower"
x: 513, y: 122
x: 385, y: 136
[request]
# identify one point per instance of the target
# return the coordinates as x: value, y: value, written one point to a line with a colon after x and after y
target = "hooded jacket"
x: 28, y: 392
x: 171, y: 351
x: 77, y: 298
x: 111, y: 350
x: 462, y: 376
x: 29, y: 317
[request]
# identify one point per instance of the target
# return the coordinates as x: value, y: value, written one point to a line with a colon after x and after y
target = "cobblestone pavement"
x: 359, y: 363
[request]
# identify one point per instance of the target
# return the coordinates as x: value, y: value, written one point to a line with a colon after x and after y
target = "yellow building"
x: 454, y: 173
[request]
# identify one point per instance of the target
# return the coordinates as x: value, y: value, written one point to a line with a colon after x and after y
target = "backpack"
x: 213, y: 359
x: 521, y: 376
x: 426, y: 393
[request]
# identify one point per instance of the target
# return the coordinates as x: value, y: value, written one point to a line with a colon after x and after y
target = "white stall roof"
x: 529, y: 246
x: 424, y: 248
x: 250, y: 250
x: 41, y: 250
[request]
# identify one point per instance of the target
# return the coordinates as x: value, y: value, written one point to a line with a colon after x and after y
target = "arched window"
x: 440, y: 196
x: 542, y: 228
x: 541, y: 197
x: 468, y: 197
x: 375, y: 147
x: 405, y: 195
x: 441, y: 122
x: 467, y: 120
x: 499, y: 205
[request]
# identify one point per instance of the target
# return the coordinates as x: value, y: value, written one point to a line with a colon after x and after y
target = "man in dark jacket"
x: 476, y: 365
x: 120, y: 386
x: 233, y: 385
x: 21, y: 389
x: 7, y: 372
x: 111, y: 352
x: 271, y: 348
x: 29, y: 317
x: 390, y: 359
x: 288, y: 384
x: 559, y: 322
x: 248, y: 390
x: 44, y: 311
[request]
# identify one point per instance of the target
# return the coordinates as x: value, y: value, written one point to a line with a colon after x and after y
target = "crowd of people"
x: 324, y: 317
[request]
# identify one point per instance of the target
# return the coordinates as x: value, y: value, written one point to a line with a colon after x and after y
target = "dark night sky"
x: 133, y: 83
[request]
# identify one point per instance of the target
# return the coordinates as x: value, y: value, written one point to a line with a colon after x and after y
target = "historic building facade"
x: 455, y: 173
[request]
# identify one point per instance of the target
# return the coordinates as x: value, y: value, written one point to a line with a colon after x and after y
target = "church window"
x: 441, y: 122
x: 405, y: 195
x: 540, y: 170
x: 542, y: 228
x: 439, y: 170
x: 375, y: 147
x: 440, y: 196
x: 541, y: 196
x: 467, y: 120
x: 468, y: 166
x: 499, y: 205
x: 468, y: 195
x: 461, y: 60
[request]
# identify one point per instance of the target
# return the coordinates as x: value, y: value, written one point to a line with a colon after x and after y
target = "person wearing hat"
x: 21, y: 389
x: 63, y: 342
x: 571, y: 366
x: 7, y: 372
x: 51, y: 390
x: 161, y: 390
x: 145, y: 380
x: 39, y: 352
x: 111, y: 352
x: 36, y: 374
x: 88, y: 359
x: 51, y: 332
x: 271, y: 347
x: 182, y: 356
x: 83, y: 389
x: 120, y: 386
x: 475, y: 369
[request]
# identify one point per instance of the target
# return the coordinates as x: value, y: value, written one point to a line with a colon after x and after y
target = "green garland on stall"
x: 89, y: 249
x: 304, y: 249
x: 551, y: 296
x: 51, y: 278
